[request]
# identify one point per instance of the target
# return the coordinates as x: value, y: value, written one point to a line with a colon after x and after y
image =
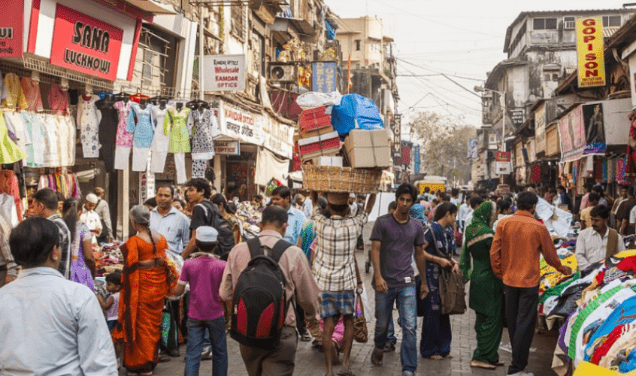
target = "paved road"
x: 310, y: 361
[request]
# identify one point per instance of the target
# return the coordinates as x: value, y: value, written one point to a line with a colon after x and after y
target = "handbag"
x: 360, y: 332
x: 451, y: 288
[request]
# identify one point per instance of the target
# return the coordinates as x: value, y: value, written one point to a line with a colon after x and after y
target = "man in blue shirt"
x: 281, y: 196
x: 170, y: 222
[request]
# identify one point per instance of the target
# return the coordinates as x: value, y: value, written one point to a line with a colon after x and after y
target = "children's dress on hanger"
x: 140, y: 124
x: 124, y: 139
x: 88, y: 123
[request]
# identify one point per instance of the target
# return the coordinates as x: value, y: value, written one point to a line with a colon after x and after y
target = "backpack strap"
x: 279, y: 248
x: 254, y: 246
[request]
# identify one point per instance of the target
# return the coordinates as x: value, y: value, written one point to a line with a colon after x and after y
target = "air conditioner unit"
x: 282, y: 72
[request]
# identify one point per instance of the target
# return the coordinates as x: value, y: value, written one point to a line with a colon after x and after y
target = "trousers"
x: 122, y: 155
x: 179, y: 165
x: 521, y: 316
x: 279, y: 361
x: 140, y: 159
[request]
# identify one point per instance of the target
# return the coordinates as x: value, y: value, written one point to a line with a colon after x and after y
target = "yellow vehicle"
x: 434, y: 183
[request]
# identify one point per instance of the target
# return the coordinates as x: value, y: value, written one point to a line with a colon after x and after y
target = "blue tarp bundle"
x: 354, y: 109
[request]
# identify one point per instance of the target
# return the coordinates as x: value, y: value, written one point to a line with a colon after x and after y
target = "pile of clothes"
x: 108, y: 259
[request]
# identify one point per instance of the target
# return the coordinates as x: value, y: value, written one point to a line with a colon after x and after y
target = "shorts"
x: 111, y: 324
x: 337, y: 303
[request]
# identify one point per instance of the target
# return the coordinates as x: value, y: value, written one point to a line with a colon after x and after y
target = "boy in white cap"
x: 204, y: 272
x: 90, y: 217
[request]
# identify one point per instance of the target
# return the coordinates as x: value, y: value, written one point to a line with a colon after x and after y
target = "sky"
x: 462, y: 39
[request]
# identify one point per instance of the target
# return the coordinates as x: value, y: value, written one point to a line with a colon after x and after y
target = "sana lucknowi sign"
x: 11, y: 28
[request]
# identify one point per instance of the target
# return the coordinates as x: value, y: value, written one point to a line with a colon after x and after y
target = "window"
x: 611, y: 21
x: 544, y: 24
x: 569, y: 23
x: 238, y: 21
x: 357, y: 44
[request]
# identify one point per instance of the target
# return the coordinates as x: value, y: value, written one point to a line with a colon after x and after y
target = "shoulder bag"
x: 451, y: 288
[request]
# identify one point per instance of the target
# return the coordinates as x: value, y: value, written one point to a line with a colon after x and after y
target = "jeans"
x: 196, y: 330
x: 407, y: 304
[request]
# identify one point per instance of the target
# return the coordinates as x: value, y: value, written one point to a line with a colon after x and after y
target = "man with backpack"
x: 264, y: 278
x: 205, y: 213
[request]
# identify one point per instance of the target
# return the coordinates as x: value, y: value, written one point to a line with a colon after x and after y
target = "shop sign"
x: 224, y: 72
x: 539, y: 128
x: 519, y: 160
x: 531, y: 146
x: 552, y: 142
x: 473, y: 150
x: 227, y: 147
x: 85, y: 44
x: 416, y: 159
x: 503, y: 166
x: 396, y: 127
x: 594, y: 125
x: 12, y: 28
x: 589, y: 46
x: 240, y: 124
x: 517, y: 117
x: 572, y: 135
x: 146, y: 186
x: 324, y: 76
x: 277, y: 137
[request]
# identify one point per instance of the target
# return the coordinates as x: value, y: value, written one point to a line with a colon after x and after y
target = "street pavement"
x: 310, y: 361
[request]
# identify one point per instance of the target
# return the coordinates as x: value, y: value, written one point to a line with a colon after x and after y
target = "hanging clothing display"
x: 36, y: 134
x: 9, y: 185
x: 15, y: 125
x: 64, y: 183
x: 160, y: 142
x: 123, y: 139
x: 58, y: 99
x: 175, y: 124
x: 32, y: 94
x: 88, y: 124
x: 15, y: 98
x: 179, y: 166
x: 66, y: 132
x: 140, y: 124
x: 9, y: 151
x: 107, y: 132
x: 202, y: 126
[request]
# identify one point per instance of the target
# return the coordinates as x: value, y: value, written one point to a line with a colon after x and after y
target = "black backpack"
x: 214, y: 219
x: 259, y: 303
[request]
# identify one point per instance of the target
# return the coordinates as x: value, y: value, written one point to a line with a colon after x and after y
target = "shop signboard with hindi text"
x: 589, y: 47
x: 240, y: 124
x: 552, y: 141
x: 11, y: 28
x: 224, y: 72
x: 323, y: 76
x: 227, y: 147
x: 572, y: 135
x: 278, y: 137
x: 85, y: 44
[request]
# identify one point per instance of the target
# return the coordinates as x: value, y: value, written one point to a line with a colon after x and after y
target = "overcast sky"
x: 460, y: 38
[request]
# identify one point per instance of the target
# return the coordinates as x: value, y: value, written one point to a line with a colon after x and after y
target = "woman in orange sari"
x: 147, y: 278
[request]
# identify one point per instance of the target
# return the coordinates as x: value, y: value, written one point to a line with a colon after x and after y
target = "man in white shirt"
x: 474, y: 204
x: 90, y: 217
x: 462, y: 213
x: 455, y: 197
x: 599, y: 241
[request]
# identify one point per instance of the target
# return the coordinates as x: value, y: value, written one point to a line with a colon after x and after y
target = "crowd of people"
x: 155, y: 303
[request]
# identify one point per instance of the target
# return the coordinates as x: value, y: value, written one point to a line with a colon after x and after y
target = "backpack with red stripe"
x: 259, y: 304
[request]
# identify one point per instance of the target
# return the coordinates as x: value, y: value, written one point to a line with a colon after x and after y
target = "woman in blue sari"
x: 436, y: 330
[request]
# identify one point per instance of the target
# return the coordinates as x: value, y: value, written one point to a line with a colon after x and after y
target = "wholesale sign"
x: 224, y: 72
x: 503, y: 166
x: 324, y: 76
x: 84, y: 44
x: 227, y: 147
x: 11, y: 28
x: 589, y: 46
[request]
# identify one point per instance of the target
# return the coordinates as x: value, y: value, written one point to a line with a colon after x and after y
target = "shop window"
x: 238, y: 21
x: 156, y: 59
x: 358, y: 42
x: 611, y: 21
x: 569, y: 23
x: 544, y: 24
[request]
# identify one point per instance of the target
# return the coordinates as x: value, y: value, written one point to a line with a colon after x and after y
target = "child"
x: 204, y: 273
x: 111, y: 305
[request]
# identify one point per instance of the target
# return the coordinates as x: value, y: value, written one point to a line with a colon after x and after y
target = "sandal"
x: 499, y: 364
x: 376, y: 357
x: 484, y: 365
x: 345, y: 372
x: 305, y: 337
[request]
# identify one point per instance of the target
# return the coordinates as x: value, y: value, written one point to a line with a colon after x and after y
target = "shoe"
x: 389, y: 347
x: 206, y: 354
x: 376, y: 357
x: 305, y: 337
x: 173, y: 353
x: 407, y: 373
x: 484, y: 365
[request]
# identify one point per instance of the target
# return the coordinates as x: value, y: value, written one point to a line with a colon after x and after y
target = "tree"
x: 444, y: 143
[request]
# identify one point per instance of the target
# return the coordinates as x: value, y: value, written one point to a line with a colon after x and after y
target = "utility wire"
x: 460, y: 85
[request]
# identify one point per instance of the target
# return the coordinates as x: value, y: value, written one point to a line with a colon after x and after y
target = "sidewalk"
x: 310, y: 361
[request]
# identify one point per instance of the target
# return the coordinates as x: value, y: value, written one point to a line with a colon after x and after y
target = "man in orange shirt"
x: 515, y: 254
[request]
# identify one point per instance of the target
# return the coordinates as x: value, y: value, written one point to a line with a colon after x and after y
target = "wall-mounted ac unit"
x: 282, y: 72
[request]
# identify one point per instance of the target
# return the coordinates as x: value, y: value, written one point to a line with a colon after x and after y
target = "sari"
x: 140, y: 310
x: 79, y: 271
x: 486, y: 290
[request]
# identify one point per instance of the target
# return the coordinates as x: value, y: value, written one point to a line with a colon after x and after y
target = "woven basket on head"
x: 341, y: 179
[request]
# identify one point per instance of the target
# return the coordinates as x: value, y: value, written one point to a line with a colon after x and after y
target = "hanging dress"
x: 201, y: 125
x: 140, y: 124
x: 58, y: 99
x: 123, y: 140
x: 107, y: 132
x: 175, y: 124
x: 32, y: 94
x: 36, y: 133
x: 9, y: 151
x: 15, y: 98
x: 160, y: 142
x: 17, y: 129
x: 88, y: 123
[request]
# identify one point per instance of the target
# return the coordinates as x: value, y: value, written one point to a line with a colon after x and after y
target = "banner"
x: 572, y: 135
x: 416, y: 159
x: 539, y: 128
x: 85, y: 44
x: 11, y: 28
x: 473, y: 150
x: 503, y: 166
x: 594, y: 123
x: 589, y: 46
x: 239, y: 124
x: 224, y: 72
x: 323, y: 76
x: 396, y: 127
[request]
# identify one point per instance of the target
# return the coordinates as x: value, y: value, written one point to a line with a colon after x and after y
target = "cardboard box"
x: 316, y: 132
x: 313, y: 113
x: 368, y: 149
x: 328, y: 161
x: 326, y: 144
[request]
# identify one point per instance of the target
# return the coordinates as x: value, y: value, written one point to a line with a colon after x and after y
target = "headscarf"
x: 479, y: 229
x: 417, y: 213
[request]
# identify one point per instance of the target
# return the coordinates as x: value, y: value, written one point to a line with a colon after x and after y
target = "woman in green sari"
x: 486, y: 290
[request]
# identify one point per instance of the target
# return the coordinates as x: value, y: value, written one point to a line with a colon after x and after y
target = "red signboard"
x: 11, y: 28
x: 85, y: 45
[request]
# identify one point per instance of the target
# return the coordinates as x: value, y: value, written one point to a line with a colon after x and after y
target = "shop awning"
x: 301, y: 26
x: 268, y: 166
x: 151, y: 6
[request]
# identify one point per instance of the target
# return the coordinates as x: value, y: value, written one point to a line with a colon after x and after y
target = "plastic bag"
x: 355, y: 111
x: 313, y: 99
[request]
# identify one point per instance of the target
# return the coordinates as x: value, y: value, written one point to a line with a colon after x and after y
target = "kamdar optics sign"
x: 84, y: 44
x: 589, y: 45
